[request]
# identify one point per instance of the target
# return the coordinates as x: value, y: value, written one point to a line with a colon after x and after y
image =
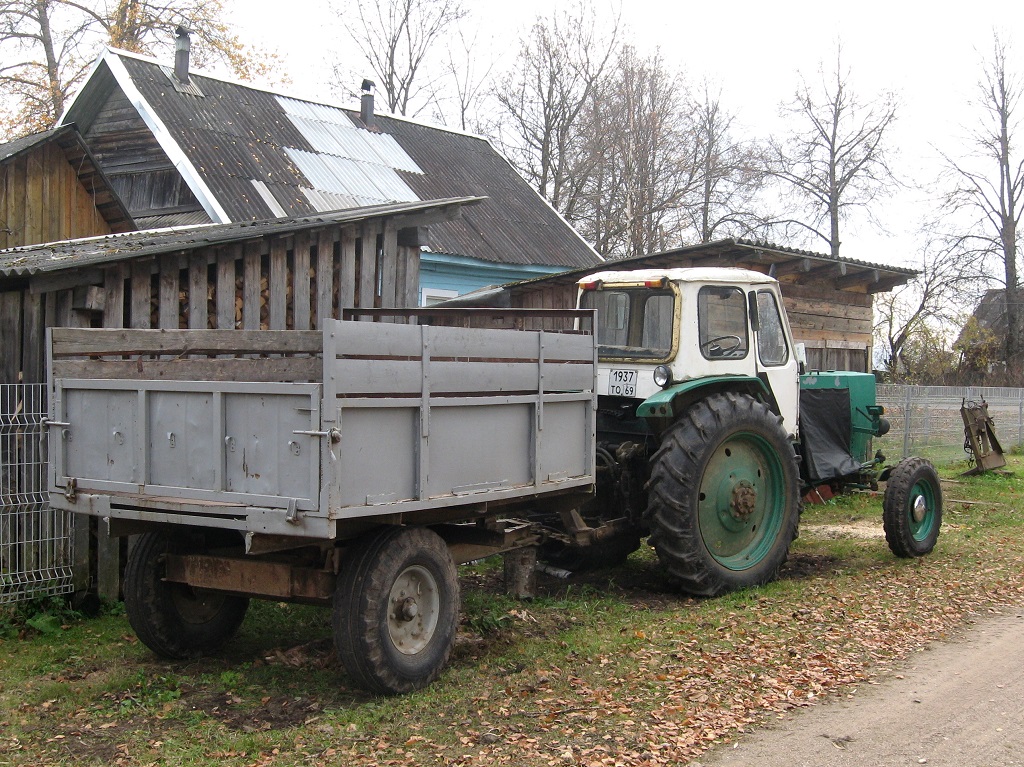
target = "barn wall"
x: 288, y: 281
x: 42, y: 200
x: 834, y: 325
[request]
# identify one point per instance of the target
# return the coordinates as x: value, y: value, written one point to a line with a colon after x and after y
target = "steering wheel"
x: 723, y: 350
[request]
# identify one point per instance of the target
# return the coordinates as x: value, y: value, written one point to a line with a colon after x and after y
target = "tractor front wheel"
x: 912, y: 508
x: 723, y: 496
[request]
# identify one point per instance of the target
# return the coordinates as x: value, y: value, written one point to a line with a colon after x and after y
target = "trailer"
x: 353, y: 466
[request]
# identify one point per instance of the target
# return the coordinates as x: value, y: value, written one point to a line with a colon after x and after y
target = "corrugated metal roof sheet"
x: 73, y: 254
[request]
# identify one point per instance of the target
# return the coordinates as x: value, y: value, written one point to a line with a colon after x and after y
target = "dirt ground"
x: 955, y: 704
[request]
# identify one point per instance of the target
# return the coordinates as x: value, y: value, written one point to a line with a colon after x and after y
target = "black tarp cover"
x: 825, y: 431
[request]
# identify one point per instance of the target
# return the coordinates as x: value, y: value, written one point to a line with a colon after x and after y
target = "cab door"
x: 775, y: 355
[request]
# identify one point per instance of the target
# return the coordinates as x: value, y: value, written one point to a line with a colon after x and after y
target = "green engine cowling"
x: 846, y: 394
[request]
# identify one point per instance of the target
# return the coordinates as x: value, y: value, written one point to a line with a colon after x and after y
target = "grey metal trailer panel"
x: 405, y: 418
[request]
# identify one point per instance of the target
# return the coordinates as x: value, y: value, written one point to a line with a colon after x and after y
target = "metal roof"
x: 787, y: 264
x: 31, y: 260
x: 310, y: 156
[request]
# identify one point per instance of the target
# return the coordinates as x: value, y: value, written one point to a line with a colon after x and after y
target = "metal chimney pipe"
x: 182, y: 45
x: 366, y: 103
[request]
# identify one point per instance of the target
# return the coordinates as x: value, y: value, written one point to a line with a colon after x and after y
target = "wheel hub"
x: 413, y: 609
x: 743, y: 502
x: 920, y: 509
x: 407, y: 609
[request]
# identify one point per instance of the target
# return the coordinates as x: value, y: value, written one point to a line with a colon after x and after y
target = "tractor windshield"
x: 633, y: 323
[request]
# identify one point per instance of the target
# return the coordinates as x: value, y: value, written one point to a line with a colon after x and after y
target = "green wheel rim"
x: 742, y: 501
x: 921, y: 510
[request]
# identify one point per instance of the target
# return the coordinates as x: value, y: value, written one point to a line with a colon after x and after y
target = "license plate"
x: 622, y: 383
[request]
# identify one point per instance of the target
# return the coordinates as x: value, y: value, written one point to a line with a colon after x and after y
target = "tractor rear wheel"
x: 723, y: 498
x: 912, y: 508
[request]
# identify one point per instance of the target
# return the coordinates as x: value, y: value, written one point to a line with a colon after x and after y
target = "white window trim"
x: 435, y: 295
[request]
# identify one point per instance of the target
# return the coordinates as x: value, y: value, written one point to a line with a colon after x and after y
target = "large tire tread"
x: 675, y: 484
x: 896, y: 508
x: 153, y: 611
x: 360, y: 609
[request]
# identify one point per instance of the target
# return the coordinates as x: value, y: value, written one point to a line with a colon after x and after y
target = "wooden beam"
x: 886, y: 284
x: 300, y: 280
x: 47, y: 283
x: 796, y: 266
x: 198, y: 291
x: 860, y: 277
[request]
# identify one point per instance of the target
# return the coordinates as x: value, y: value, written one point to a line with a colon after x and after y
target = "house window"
x: 434, y: 296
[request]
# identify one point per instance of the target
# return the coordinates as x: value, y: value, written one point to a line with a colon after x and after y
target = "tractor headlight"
x: 662, y: 375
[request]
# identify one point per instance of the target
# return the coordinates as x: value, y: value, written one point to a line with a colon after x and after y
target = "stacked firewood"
x: 211, y: 302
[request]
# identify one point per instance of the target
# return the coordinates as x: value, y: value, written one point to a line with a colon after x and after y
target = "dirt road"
x: 955, y: 704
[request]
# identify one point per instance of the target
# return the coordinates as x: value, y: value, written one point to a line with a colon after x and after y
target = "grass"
x: 612, y: 667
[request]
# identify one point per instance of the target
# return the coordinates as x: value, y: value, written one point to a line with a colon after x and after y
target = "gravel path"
x: 953, y: 704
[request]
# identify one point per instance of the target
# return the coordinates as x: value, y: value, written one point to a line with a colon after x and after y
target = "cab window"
x: 771, y: 337
x: 633, y: 323
x: 722, y: 322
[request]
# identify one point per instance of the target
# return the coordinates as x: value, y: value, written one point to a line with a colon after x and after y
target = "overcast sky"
x: 929, y: 53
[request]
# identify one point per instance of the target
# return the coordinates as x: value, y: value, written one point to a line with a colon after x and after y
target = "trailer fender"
x: 673, y: 400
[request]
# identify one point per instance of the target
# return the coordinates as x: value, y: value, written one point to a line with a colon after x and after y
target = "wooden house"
x: 828, y: 300
x: 184, y: 147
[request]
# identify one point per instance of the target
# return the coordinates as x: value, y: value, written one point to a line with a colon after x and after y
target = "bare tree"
x: 545, y: 96
x: 730, y: 174
x: 836, y: 160
x: 41, y: 64
x: 639, y: 167
x: 396, y: 39
x: 913, y: 317
x: 988, y: 186
x: 466, y: 84
x: 48, y: 45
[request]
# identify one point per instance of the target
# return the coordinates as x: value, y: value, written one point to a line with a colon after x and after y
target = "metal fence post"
x: 1020, y: 417
x: 906, y: 421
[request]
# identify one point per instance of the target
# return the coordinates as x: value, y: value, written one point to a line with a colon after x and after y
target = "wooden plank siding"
x: 277, y: 282
x: 42, y: 200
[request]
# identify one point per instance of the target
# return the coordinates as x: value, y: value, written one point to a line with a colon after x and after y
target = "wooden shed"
x: 828, y: 300
x: 52, y: 188
x: 281, y: 274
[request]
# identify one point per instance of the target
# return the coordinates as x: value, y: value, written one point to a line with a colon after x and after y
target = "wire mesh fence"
x: 35, y: 540
x: 926, y: 420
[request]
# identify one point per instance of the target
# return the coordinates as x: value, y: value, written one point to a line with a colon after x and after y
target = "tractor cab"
x: 666, y: 335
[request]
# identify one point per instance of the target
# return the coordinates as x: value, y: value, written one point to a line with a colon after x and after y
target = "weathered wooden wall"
x: 835, y: 326
x: 138, y: 168
x: 43, y: 200
x: 279, y: 282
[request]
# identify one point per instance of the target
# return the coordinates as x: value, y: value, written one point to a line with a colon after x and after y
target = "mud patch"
x: 272, y: 712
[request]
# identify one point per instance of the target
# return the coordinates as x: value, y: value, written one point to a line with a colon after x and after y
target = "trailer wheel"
x: 396, y: 609
x: 912, y: 508
x: 172, y: 619
x: 723, y: 498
